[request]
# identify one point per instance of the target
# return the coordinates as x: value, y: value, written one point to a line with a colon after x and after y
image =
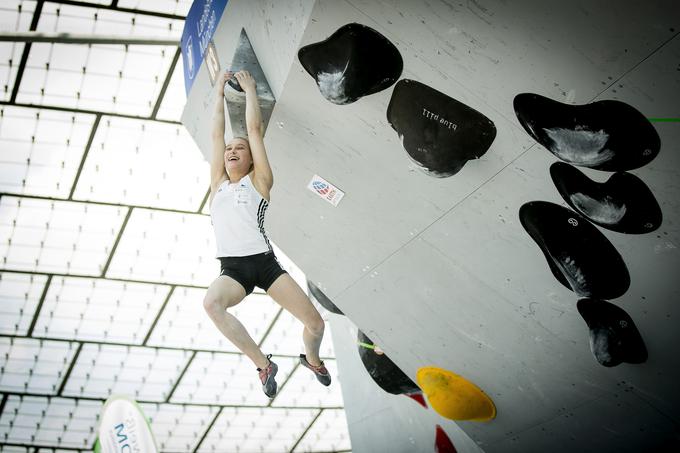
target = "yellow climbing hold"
x: 453, y: 396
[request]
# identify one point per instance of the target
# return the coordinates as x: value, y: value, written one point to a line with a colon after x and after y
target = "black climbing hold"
x: 614, y: 338
x: 233, y: 83
x: 353, y: 62
x: 322, y: 299
x: 383, y: 371
x: 624, y: 203
x: 439, y: 133
x: 604, y: 135
x: 579, y: 255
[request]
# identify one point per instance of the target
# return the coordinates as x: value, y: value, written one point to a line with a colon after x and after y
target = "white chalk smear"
x: 574, y: 275
x: 332, y: 85
x: 605, y: 211
x: 580, y: 146
x: 599, y: 345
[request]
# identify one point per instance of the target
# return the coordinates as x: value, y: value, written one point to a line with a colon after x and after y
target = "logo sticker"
x: 190, y: 57
x: 325, y: 190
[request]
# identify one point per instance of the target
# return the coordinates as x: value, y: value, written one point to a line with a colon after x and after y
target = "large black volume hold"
x: 439, y: 133
x: 623, y: 203
x: 353, y: 62
x: 383, y: 371
x: 604, y: 135
x: 578, y: 254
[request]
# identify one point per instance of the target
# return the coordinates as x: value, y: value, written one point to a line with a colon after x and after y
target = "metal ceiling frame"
x: 29, y: 38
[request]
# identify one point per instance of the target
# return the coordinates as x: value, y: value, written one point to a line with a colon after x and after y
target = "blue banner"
x: 199, y: 29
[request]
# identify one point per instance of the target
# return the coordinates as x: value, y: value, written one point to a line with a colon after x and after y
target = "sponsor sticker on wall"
x: 325, y: 190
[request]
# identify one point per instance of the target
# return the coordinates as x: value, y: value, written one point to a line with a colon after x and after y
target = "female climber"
x: 240, y: 182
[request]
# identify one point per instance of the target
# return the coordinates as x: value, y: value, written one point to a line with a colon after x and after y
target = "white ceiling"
x: 98, y: 295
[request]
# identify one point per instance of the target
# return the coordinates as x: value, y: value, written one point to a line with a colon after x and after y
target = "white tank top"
x: 237, y: 213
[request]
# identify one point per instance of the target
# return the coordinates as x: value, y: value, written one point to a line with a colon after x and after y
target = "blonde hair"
x: 242, y: 138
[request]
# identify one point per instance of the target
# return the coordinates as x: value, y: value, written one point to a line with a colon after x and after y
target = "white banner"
x: 124, y: 429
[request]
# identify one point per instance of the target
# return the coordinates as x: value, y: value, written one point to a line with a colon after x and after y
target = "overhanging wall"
x: 440, y: 271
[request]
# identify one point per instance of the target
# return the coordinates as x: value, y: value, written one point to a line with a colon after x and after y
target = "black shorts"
x: 252, y: 270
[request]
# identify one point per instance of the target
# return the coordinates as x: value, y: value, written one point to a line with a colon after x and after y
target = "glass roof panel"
x: 76, y: 239
x: 185, y: 324
x: 13, y: 449
x: 271, y: 430
x: 15, y: 16
x: 176, y: 7
x: 75, y: 76
x: 166, y: 247
x: 33, y: 366
x: 99, y: 310
x: 57, y: 17
x: 302, y: 389
x: 56, y: 236
x: 64, y: 422
x: 286, y: 338
x: 219, y: 378
x: 19, y: 296
x: 58, y: 450
x: 175, y: 97
x: 143, y: 163
x: 178, y: 427
x: 43, y: 150
x: 146, y: 374
x: 328, y: 433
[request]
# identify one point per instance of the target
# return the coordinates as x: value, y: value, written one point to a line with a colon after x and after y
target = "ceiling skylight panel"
x: 145, y: 25
x: 10, y: 55
x: 15, y: 16
x: 67, y: 57
x: 99, y: 310
x: 64, y: 422
x: 302, y: 389
x: 97, y: 92
x: 185, y: 324
x: 106, y: 59
x: 143, y: 163
x: 270, y: 430
x: 33, y: 366
x: 178, y: 427
x: 146, y: 62
x: 11, y: 449
x: 232, y: 379
x: 44, y: 150
x: 128, y: 82
x: 19, y: 297
x: 176, y: 7
x: 59, y: 450
x: 166, y: 247
x: 142, y: 373
x: 175, y: 98
x: 144, y: 73
x: 286, y: 337
x: 87, y: 20
x: 328, y: 433
x: 48, y: 236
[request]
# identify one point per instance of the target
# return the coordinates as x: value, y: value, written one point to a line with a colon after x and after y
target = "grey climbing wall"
x: 440, y: 271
